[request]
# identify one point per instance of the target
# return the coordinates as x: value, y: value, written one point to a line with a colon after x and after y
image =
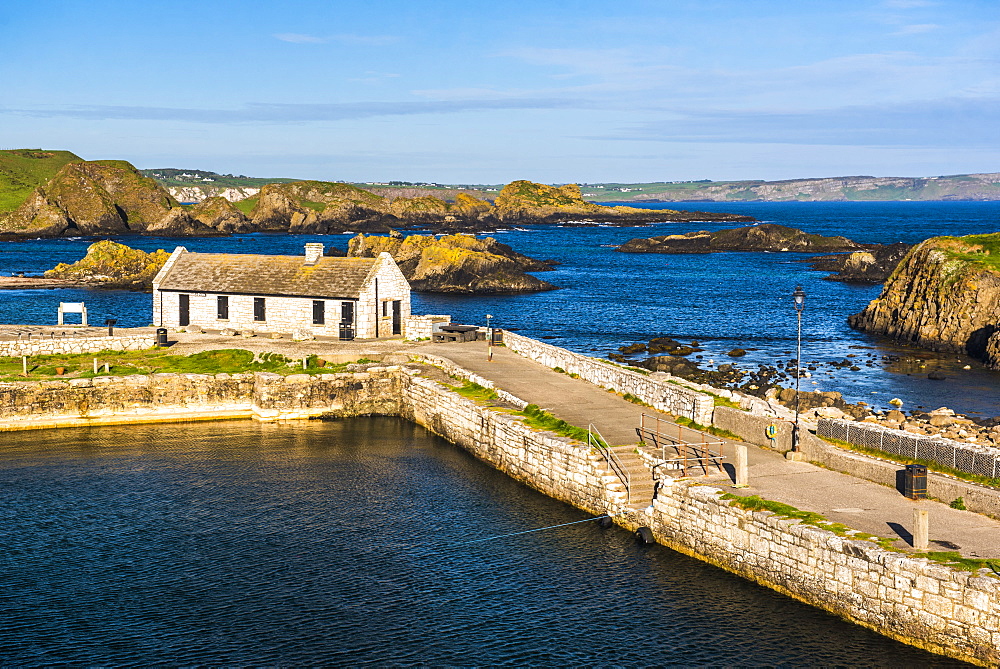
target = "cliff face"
x: 944, y: 295
x: 91, y: 198
x: 456, y: 263
x: 112, y: 265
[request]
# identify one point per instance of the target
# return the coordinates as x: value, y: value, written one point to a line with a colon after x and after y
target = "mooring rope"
x: 539, y: 529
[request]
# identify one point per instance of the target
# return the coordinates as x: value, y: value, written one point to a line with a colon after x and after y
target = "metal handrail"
x: 613, y: 462
x: 689, y: 452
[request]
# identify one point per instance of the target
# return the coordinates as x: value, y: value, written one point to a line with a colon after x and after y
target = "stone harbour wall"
x: 63, y: 345
x: 661, y: 395
x: 912, y: 599
x: 265, y: 396
x: 909, y: 598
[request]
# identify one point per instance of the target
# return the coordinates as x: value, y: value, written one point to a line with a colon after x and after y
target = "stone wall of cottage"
x: 282, y: 314
x: 375, y: 303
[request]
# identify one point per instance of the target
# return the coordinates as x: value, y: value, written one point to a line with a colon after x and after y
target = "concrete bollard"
x: 920, y: 529
x: 742, y: 474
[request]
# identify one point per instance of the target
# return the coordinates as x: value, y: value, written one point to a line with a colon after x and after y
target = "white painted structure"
x: 333, y: 297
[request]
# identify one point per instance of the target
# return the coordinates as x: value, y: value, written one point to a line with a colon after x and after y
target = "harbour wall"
x: 908, y: 598
x: 65, y: 345
x: 661, y: 395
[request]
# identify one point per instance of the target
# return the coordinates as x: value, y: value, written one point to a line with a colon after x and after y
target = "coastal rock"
x: 112, y: 265
x: 762, y: 237
x: 944, y: 295
x: 873, y: 265
x: 456, y: 263
x: 527, y: 202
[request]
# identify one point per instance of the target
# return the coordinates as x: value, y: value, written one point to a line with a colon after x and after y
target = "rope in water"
x: 539, y: 529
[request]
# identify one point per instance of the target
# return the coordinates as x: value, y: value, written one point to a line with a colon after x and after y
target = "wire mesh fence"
x: 966, y: 457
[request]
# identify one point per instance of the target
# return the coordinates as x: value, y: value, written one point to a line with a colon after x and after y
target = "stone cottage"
x: 336, y: 297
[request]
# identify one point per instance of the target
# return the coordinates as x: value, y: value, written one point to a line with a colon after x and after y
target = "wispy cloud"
x: 916, y: 29
x: 908, y: 4
x: 343, y: 38
x: 290, y: 113
x: 298, y: 38
x: 946, y: 123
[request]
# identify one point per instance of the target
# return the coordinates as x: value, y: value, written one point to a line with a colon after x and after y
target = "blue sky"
x: 469, y: 92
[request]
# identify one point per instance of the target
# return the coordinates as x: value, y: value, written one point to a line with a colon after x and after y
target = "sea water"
x: 608, y: 299
x: 344, y: 543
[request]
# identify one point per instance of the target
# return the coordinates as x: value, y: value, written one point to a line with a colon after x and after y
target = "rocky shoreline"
x: 771, y: 383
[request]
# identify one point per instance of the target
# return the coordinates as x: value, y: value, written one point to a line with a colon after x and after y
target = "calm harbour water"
x: 608, y: 299
x: 312, y: 543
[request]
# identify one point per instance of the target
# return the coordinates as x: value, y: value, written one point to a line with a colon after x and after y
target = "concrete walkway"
x: 856, y: 503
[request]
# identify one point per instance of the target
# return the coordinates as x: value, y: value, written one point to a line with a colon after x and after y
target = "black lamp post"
x: 800, y: 302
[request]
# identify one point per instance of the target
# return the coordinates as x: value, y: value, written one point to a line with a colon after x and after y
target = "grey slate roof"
x: 267, y: 275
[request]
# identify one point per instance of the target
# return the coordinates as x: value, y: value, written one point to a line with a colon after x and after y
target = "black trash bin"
x: 915, y: 482
x: 346, y: 332
x: 161, y: 336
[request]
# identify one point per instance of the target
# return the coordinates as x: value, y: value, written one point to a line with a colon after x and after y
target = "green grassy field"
x: 171, y: 178
x: 21, y: 170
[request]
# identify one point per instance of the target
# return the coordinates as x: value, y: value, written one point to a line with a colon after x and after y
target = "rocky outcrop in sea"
x: 763, y: 237
x: 944, y: 295
x: 456, y: 263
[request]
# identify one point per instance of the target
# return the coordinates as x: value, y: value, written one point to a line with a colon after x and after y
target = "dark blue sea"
x: 345, y: 544
x: 608, y: 299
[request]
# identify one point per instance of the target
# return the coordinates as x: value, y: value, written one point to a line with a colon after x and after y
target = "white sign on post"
x: 73, y: 308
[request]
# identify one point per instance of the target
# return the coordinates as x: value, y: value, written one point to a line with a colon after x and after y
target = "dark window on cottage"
x: 347, y: 313
x: 385, y: 309
x: 184, y: 309
x: 319, y: 312
x: 223, y: 307
x: 259, y: 312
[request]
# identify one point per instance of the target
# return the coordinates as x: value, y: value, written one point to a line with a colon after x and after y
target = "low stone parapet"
x: 661, y: 395
x: 70, y: 345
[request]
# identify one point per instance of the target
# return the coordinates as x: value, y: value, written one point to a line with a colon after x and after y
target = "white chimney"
x: 313, y: 253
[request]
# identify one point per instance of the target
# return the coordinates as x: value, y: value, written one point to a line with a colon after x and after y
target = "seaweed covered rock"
x: 873, y: 265
x: 763, y: 237
x: 456, y: 263
x: 112, y: 265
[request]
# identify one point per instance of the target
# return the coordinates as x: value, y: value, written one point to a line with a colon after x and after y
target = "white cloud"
x: 344, y: 38
x: 297, y: 38
x: 908, y: 4
x: 917, y: 29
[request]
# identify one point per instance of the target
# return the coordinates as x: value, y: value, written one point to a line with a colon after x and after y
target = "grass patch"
x: 629, y: 397
x: 158, y: 360
x: 476, y: 392
x: 543, y: 420
x: 955, y: 560
x: 933, y: 465
x: 711, y: 429
x: 724, y: 402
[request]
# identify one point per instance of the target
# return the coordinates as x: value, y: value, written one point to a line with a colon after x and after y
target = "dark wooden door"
x: 184, y: 315
x: 397, y: 317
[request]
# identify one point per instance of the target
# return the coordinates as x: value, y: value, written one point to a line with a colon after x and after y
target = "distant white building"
x: 336, y: 297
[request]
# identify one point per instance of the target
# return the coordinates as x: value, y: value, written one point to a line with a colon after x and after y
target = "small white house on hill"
x: 336, y: 297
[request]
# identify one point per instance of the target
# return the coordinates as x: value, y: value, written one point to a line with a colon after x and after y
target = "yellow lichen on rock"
x: 113, y: 265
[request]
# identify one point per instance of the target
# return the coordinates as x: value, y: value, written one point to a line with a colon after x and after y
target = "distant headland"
x: 55, y: 194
